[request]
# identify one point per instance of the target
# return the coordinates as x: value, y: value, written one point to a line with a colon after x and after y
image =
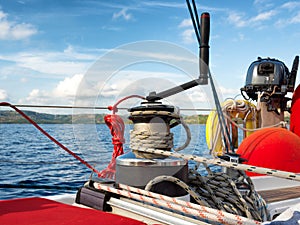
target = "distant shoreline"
x: 11, y: 117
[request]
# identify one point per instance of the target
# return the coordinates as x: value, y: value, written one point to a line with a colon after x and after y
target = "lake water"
x: 29, y: 159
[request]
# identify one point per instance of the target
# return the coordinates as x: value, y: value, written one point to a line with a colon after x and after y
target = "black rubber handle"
x: 204, y: 46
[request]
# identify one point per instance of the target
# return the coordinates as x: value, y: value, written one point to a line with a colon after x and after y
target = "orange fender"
x: 274, y: 148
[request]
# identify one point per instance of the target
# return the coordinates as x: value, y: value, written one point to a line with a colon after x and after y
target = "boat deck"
x: 280, y: 194
x: 37, y: 211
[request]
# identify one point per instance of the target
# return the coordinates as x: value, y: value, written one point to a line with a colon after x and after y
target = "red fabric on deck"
x: 39, y: 211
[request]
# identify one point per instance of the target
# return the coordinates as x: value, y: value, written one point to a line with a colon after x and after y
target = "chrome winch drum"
x: 138, y: 172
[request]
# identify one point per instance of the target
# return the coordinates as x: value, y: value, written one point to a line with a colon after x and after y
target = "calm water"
x: 30, y: 159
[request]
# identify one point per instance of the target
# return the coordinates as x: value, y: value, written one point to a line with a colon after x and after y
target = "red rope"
x: 116, y: 126
x: 49, y: 136
x: 114, y: 108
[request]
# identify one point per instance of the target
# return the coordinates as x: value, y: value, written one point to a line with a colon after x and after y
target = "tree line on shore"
x: 9, y: 116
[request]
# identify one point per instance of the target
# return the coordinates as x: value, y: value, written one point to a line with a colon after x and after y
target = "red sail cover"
x: 39, y: 211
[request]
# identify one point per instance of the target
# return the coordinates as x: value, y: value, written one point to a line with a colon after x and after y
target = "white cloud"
x: 35, y: 93
x: 167, y: 4
x: 52, y: 67
x: 68, y: 87
x: 123, y: 13
x: 292, y: 20
x: 291, y: 5
x: 187, y: 34
x: 263, y: 4
x: 240, y: 19
x: 63, y: 93
x: 78, y: 90
x: 40, y: 97
x: 263, y: 16
x: 11, y: 30
x: 237, y: 19
x: 3, y: 95
x: 135, y: 81
x: 295, y: 19
x: 185, y: 23
x: 62, y: 63
x: 281, y: 16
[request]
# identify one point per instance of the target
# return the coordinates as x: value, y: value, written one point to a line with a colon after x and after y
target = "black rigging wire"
x: 95, y: 107
x: 197, y: 29
x: 224, y: 130
x: 64, y: 107
x: 197, y: 18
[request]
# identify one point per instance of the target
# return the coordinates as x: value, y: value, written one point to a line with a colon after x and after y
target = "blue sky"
x: 48, y: 46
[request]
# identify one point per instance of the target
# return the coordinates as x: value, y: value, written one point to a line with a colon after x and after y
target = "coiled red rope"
x: 117, y: 127
x: 49, y: 136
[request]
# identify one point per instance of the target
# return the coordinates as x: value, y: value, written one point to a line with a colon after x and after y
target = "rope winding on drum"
x: 152, y: 129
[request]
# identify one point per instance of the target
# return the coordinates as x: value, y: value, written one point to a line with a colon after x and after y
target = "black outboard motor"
x: 272, y: 77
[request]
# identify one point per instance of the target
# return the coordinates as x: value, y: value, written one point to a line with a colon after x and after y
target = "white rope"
x: 230, y: 105
x: 219, y: 162
x: 280, y: 124
x: 221, y: 216
x: 221, y: 194
x: 156, y: 140
x: 179, y: 205
x: 180, y: 183
x: 188, y: 136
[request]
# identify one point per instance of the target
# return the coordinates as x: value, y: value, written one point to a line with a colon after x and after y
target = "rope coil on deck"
x: 220, y: 191
x: 234, y: 195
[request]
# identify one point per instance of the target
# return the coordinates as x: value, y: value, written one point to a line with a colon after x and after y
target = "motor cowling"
x: 270, y: 76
